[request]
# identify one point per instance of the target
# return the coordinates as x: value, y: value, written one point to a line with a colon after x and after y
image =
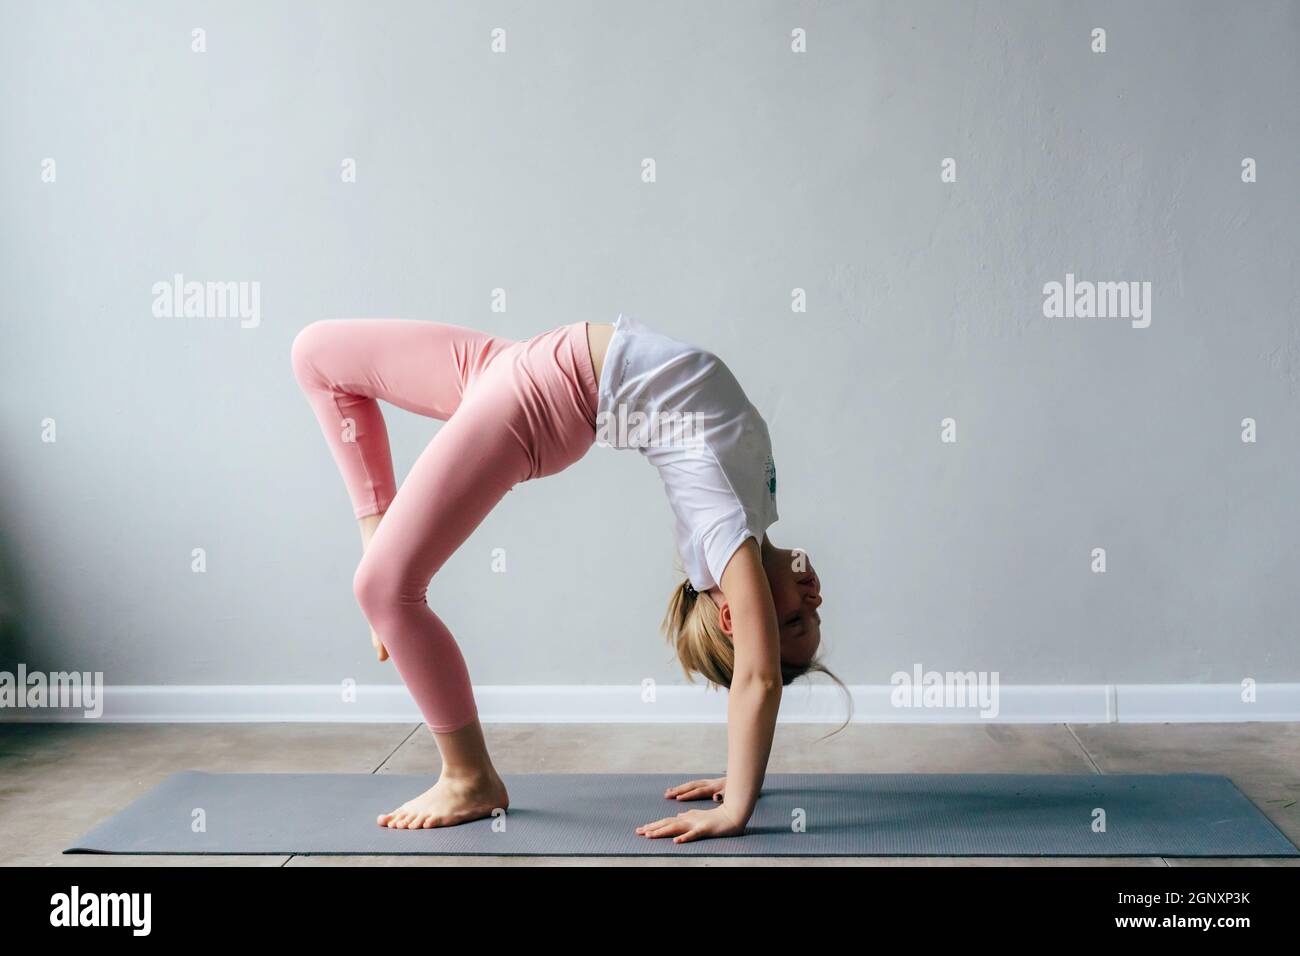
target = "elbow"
x: 757, y: 682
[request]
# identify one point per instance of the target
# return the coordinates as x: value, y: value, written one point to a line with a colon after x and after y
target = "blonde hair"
x: 694, y: 627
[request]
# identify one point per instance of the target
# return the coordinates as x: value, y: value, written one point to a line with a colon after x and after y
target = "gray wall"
x: 775, y: 170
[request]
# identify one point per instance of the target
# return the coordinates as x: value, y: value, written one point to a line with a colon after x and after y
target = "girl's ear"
x: 724, y: 618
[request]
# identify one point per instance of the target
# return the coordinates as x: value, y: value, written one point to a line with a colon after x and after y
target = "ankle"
x: 473, y: 776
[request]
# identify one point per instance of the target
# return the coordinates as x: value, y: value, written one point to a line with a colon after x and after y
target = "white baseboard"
x: 676, y: 704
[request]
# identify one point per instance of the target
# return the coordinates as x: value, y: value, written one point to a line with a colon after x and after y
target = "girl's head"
x: 698, y: 625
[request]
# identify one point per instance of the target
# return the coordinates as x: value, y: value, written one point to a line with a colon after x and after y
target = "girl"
x: 744, y: 618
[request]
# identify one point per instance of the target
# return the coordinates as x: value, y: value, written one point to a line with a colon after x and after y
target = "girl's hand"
x: 380, y: 651
x: 694, y: 825
x: 698, y: 790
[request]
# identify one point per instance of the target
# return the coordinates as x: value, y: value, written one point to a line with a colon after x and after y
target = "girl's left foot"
x: 450, y: 801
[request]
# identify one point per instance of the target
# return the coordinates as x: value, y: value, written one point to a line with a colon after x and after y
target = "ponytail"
x: 693, y: 627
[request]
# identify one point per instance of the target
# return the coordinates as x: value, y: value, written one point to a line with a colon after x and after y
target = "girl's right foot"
x: 450, y: 801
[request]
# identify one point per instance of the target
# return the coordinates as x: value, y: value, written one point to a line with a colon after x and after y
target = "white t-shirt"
x: 681, y: 407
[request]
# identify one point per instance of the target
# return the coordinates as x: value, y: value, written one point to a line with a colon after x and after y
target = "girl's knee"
x: 384, y: 589
x: 374, y: 586
x: 308, y: 347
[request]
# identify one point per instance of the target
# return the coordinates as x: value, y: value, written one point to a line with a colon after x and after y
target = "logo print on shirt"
x: 769, y: 469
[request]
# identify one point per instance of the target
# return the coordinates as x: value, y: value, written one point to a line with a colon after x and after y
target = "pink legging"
x: 513, y: 411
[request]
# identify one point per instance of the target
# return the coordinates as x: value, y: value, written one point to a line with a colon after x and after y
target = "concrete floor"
x: 58, y: 780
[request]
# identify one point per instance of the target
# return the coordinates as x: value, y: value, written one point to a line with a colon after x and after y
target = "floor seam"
x: 1082, y: 749
x: 399, y: 746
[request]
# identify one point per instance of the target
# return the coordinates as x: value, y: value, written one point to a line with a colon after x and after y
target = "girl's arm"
x: 752, y: 703
x: 755, y: 694
x: 367, y: 526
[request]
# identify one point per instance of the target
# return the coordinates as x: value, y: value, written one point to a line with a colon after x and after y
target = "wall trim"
x: 671, y: 704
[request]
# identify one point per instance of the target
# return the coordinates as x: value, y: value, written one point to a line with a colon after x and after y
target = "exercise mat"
x: 888, y: 814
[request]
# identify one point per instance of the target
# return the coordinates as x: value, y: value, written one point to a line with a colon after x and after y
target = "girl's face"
x: 797, y: 594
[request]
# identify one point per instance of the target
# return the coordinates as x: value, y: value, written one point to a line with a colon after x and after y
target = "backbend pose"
x: 744, y: 618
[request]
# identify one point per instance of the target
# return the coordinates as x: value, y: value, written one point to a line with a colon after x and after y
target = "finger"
x: 680, y: 823
x: 665, y: 831
x: 692, y: 834
x: 665, y: 828
x: 690, y: 785
x: 695, y: 794
x: 652, y: 825
x: 656, y: 824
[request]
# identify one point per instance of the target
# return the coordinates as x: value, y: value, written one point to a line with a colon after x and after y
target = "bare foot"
x: 448, y: 802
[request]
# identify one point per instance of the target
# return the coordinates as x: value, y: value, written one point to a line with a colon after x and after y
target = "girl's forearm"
x: 752, y: 706
x: 368, y: 524
x: 755, y: 692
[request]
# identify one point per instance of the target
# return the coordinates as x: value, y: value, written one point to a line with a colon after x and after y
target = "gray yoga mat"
x: 595, y: 814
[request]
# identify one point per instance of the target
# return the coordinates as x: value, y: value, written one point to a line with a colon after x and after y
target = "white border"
x: 676, y: 704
